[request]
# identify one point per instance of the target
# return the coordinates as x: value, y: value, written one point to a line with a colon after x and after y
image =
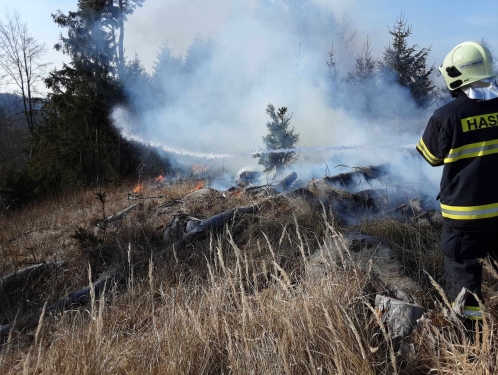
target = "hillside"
x: 275, y: 284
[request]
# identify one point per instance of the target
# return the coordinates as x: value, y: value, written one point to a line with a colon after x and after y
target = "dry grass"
x: 242, y: 303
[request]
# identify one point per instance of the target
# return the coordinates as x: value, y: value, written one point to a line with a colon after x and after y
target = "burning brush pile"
x: 288, y: 234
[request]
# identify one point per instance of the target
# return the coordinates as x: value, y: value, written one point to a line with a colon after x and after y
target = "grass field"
x: 239, y: 301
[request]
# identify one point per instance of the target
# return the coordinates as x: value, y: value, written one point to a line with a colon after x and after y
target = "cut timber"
x: 286, y: 182
x: 400, y: 317
x: 118, y: 216
x: 27, y: 275
x: 351, y: 178
x: 214, y: 222
x: 218, y: 221
x: 328, y: 194
x: 71, y: 300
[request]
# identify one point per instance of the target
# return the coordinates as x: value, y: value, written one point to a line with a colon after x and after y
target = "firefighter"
x: 463, y: 137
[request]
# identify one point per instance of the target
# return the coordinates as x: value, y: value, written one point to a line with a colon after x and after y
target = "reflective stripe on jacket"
x: 463, y: 136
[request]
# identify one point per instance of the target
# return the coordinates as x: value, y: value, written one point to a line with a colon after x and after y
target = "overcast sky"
x: 435, y: 23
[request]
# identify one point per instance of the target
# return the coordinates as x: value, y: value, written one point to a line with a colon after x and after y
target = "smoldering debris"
x: 200, y: 212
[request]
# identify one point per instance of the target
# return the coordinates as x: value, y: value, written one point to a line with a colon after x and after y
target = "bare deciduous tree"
x: 21, y: 63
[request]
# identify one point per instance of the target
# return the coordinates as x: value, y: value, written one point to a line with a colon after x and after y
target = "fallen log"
x: 118, y: 216
x: 249, y: 177
x: 342, y: 200
x: 213, y: 223
x: 73, y: 299
x: 350, y: 178
x: 286, y: 182
x: 204, y: 227
x: 27, y: 275
x: 260, y: 190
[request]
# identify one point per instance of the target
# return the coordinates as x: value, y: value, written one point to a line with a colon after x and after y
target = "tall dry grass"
x: 248, y: 304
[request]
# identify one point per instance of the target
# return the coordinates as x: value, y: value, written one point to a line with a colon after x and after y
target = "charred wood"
x: 329, y: 194
x: 286, y: 182
x: 249, y: 177
x: 348, y: 179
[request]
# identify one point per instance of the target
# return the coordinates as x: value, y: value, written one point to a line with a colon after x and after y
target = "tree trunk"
x: 121, y: 41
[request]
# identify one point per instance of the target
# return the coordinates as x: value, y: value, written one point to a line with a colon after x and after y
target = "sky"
x: 435, y: 24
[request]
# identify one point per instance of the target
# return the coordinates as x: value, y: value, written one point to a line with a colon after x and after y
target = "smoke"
x: 211, y: 99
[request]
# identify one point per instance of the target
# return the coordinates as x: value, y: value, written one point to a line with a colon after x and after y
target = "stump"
x: 400, y: 317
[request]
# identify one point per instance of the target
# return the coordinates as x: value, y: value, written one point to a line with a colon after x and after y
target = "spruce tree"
x: 77, y: 145
x: 365, y: 66
x: 409, y: 64
x: 279, y: 137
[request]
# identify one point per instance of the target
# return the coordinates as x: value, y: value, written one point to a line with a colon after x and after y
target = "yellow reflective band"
x: 479, y: 122
x: 472, y: 312
x: 427, y: 154
x: 472, y: 150
x: 470, y: 212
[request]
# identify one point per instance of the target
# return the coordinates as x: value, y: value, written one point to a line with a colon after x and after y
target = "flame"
x: 233, y: 192
x: 198, y: 169
x: 236, y: 193
x: 200, y: 185
x: 160, y: 178
x: 138, y: 189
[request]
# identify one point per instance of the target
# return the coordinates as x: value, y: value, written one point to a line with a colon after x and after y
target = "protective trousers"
x: 462, y: 250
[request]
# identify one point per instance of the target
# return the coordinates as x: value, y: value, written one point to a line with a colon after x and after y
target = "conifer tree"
x: 409, y: 64
x: 77, y: 145
x: 279, y: 137
x: 365, y: 66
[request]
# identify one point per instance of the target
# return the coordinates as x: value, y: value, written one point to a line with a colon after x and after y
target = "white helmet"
x: 468, y: 62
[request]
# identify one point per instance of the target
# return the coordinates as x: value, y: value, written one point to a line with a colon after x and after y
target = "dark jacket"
x: 463, y: 136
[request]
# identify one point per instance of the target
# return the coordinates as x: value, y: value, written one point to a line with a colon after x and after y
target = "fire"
x: 198, y: 169
x: 233, y: 192
x: 200, y: 185
x: 138, y: 189
x: 160, y: 178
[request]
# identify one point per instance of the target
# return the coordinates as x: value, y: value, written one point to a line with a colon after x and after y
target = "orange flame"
x: 200, y: 185
x: 160, y: 178
x: 233, y: 192
x: 138, y: 189
x: 198, y: 169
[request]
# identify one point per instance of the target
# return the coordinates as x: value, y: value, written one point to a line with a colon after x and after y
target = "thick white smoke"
x: 261, y: 52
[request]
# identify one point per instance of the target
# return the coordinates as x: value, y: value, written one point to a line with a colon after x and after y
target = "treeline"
x: 67, y: 141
